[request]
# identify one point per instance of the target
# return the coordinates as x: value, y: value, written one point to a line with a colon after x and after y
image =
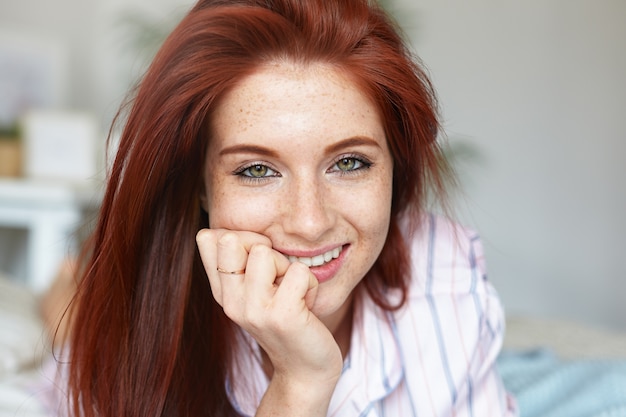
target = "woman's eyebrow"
x: 350, y: 142
x: 335, y: 147
x: 249, y: 148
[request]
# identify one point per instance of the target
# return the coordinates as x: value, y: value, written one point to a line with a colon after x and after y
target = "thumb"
x: 311, y: 293
x: 299, y: 284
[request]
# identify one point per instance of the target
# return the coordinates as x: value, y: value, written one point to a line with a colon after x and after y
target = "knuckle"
x: 259, y: 251
x: 202, y: 235
x: 227, y: 239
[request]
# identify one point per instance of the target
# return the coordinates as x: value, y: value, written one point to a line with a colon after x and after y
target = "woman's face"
x: 298, y: 154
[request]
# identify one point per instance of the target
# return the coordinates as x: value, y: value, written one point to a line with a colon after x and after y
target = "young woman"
x: 264, y: 246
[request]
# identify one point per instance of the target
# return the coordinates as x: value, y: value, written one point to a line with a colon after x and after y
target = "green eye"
x: 347, y: 164
x: 350, y: 164
x: 257, y: 171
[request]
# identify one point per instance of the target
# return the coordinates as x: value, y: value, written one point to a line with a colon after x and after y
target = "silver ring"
x: 239, y: 272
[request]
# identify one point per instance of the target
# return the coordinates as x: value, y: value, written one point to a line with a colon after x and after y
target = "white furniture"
x: 50, y: 212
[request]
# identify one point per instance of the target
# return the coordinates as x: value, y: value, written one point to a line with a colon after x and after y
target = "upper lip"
x: 309, y: 253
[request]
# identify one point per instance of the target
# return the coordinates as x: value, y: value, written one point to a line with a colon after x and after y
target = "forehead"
x: 294, y: 98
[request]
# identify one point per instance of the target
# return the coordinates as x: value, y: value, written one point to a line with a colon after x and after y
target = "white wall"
x: 538, y: 88
x: 101, y: 62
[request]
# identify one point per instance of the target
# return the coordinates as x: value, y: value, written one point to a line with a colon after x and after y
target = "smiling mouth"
x: 317, y: 260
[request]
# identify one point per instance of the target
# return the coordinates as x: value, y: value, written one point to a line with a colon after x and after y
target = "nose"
x: 308, y: 211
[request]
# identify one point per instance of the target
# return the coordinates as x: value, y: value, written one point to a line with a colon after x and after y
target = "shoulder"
x: 445, y: 257
x: 450, y: 330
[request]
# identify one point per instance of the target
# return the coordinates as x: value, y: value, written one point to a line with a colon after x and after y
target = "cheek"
x: 378, y: 221
x: 219, y: 204
x: 229, y: 208
x: 383, y: 210
x: 373, y: 213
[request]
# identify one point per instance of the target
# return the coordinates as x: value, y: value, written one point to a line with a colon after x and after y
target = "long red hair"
x: 148, y: 338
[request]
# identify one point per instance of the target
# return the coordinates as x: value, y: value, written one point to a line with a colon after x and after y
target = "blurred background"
x: 533, y: 98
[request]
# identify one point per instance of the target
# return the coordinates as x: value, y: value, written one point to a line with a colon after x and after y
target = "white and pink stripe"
x: 434, y: 357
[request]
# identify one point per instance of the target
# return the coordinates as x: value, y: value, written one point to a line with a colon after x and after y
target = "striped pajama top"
x: 434, y: 357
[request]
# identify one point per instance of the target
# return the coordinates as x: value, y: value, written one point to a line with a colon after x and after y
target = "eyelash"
x: 361, y: 162
x: 241, y: 172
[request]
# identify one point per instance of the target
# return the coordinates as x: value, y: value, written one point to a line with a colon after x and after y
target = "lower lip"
x: 327, y: 271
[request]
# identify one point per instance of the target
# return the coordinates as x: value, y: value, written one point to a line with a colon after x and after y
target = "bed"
x: 24, y: 348
x: 555, y: 368
x: 558, y: 368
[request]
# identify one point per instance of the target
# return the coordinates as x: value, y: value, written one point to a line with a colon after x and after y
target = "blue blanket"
x: 546, y: 386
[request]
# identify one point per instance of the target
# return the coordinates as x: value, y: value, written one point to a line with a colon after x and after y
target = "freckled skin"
x: 298, y: 113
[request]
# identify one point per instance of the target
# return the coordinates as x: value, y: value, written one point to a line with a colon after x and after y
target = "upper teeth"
x: 318, y: 259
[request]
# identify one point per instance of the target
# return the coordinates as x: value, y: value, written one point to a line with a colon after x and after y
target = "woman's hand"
x: 271, y: 298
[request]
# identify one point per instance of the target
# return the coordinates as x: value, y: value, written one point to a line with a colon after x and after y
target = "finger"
x: 311, y: 293
x: 207, y: 244
x: 206, y: 240
x: 232, y: 255
x: 281, y: 264
x: 260, y: 278
x: 264, y: 270
x: 300, y: 284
